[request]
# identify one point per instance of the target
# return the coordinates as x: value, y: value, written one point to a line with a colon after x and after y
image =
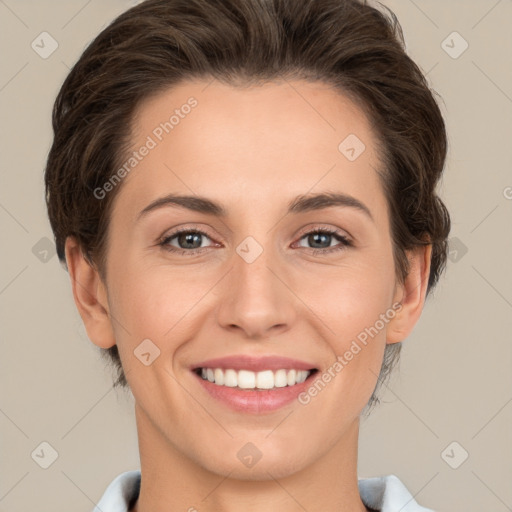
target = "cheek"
x: 358, y: 315
x: 357, y: 339
x: 156, y: 302
x: 166, y: 306
x: 349, y: 300
x: 355, y: 307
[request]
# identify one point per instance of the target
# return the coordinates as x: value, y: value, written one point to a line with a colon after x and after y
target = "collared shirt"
x: 383, y: 494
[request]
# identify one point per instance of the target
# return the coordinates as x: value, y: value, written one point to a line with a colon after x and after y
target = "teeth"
x: 230, y: 379
x: 246, y: 379
x: 281, y: 379
x: 219, y: 376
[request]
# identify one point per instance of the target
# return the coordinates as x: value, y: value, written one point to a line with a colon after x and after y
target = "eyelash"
x: 345, y: 242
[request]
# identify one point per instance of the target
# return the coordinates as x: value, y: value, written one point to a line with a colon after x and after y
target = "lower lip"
x: 255, y: 401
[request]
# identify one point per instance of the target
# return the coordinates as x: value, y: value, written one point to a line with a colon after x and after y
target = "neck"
x: 171, y: 481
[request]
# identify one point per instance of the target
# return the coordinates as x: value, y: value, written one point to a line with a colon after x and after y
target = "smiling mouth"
x: 249, y: 380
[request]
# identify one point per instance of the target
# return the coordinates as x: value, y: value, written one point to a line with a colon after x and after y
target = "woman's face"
x: 255, y: 281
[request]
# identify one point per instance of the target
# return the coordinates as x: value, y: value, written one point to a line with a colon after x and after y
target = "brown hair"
x: 158, y: 43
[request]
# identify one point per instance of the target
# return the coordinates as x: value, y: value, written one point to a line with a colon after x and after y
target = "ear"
x: 90, y: 296
x: 411, y: 294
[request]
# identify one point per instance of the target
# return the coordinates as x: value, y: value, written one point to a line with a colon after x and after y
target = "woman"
x: 243, y: 194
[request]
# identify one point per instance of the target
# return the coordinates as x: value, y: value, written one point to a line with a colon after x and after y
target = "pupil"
x: 188, y: 238
x: 314, y: 238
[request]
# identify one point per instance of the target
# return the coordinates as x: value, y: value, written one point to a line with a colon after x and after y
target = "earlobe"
x: 90, y: 295
x: 411, y: 295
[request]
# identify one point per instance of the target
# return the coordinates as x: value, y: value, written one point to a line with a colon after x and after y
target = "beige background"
x: 455, y: 379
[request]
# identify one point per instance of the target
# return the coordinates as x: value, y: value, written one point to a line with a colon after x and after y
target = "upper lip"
x: 255, y: 363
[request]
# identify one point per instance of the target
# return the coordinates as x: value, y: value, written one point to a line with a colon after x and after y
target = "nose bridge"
x: 251, y: 270
x: 255, y: 298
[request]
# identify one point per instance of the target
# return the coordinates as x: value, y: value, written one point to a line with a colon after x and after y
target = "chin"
x: 247, y: 462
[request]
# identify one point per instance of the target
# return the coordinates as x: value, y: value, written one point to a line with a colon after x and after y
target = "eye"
x: 189, y: 241
x: 321, y: 240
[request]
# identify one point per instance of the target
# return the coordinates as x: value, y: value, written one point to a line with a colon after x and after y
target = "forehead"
x: 261, y: 143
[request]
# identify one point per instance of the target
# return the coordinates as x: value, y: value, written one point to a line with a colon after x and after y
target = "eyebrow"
x: 302, y: 203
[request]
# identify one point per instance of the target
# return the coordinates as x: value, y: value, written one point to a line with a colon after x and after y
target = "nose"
x: 256, y: 298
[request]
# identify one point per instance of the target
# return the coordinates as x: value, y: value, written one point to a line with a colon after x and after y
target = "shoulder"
x: 388, y: 494
x: 121, y: 493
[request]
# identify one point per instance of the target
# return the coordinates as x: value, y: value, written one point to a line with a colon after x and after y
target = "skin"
x: 253, y: 150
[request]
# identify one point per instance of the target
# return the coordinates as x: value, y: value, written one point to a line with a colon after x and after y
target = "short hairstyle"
x: 348, y: 44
